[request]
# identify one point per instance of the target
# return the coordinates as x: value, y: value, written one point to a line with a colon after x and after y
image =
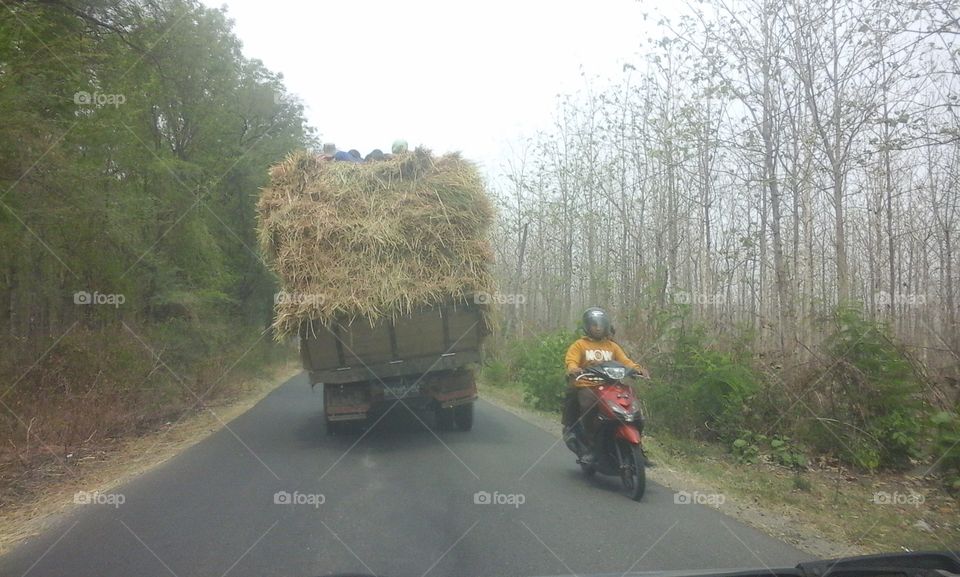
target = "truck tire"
x: 445, y: 419
x: 463, y: 416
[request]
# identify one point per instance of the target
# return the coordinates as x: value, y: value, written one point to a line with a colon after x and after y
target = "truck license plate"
x: 400, y: 391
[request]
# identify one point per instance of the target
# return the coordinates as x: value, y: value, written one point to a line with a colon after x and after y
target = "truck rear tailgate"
x: 440, y: 338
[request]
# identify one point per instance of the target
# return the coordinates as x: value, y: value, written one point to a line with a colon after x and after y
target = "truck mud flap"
x: 345, y: 402
x: 454, y: 389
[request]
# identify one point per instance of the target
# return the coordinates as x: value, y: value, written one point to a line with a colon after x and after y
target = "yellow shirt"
x: 585, y: 352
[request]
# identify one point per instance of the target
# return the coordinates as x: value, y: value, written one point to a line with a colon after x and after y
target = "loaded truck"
x: 381, y: 266
x: 423, y: 359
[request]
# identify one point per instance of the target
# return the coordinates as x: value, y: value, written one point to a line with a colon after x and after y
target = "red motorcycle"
x: 617, y: 445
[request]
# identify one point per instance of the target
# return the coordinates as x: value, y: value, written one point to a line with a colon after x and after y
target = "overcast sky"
x: 452, y: 75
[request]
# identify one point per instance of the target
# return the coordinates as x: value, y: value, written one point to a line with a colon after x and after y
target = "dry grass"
x: 374, y: 239
x: 95, y: 389
x: 837, y: 504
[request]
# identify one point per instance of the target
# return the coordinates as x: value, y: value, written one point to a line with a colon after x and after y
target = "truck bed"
x: 434, y: 339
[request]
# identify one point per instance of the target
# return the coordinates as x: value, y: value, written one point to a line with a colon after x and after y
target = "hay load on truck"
x: 380, y: 264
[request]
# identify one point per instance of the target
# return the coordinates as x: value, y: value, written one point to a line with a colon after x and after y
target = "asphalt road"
x: 398, y: 501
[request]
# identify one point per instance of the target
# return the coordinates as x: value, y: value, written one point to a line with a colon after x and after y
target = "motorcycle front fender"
x: 627, y: 433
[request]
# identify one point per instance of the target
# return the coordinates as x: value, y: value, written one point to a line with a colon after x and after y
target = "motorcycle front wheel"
x: 633, y: 473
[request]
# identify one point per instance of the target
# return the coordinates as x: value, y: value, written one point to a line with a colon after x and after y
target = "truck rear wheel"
x: 463, y: 416
x: 445, y: 419
x: 333, y: 427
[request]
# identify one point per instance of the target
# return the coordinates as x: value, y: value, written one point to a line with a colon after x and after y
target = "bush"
x: 869, y: 412
x: 746, y: 448
x: 700, y: 391
x: 534, y: 365
x: 785, y: 453
x: 496, y: 372
x: 946, y: 447
x: 538, y: 367
x: 750, y: 446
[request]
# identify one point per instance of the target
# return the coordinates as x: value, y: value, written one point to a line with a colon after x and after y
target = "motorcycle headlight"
x: 616, y: 373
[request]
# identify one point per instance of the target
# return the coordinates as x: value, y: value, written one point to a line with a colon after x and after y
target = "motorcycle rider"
x: 596, y: 346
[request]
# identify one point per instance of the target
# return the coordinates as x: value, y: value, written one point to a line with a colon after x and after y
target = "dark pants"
x: 580, y: 401
x: 571, y: 407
